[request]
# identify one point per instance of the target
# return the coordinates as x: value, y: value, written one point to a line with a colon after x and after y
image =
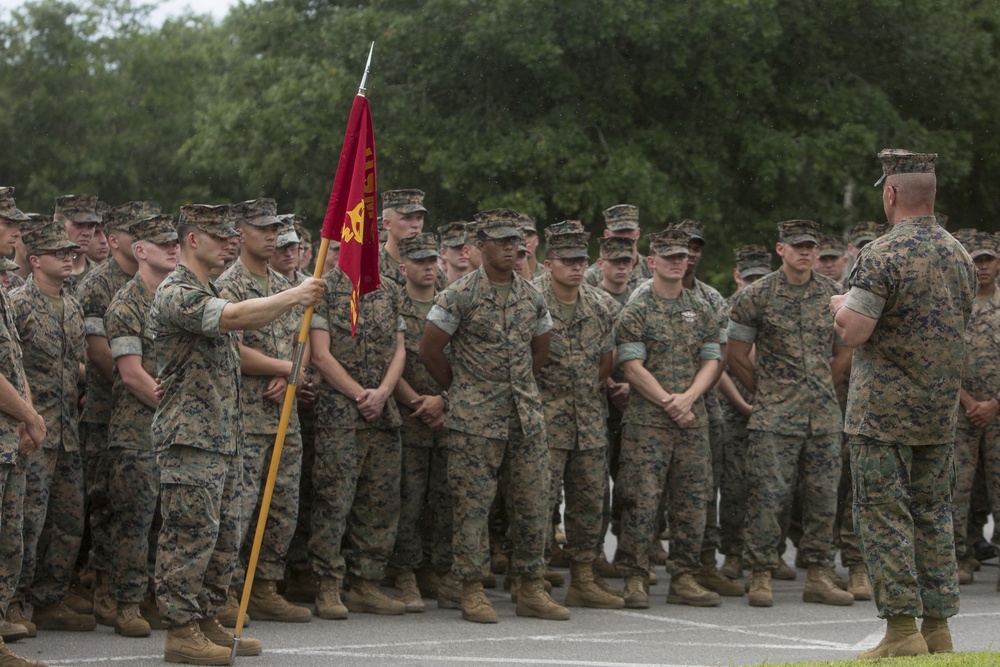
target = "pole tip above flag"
x: 364, y: 77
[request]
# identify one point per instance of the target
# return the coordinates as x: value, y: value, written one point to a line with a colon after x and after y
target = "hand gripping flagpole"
x: 279, y: 441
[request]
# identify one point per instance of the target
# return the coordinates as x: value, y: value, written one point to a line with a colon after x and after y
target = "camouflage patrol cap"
x: 50, y: 237
x: 794, y: 232
x: 286, y: 237
x: 694, y: 228
x: 121, y: 218
x: 863, y: 232
x: 8, y: 208
x: 257, y: 212
x: 103, y: 209
x: 566, y: 240
x: 81, y: 209
x: 35, y: 220
x: 7, y: 264
x: 621, y: 217
x: 526, y: 224
x: 831, y: 246
x: 900, y: 161
x: 498, y: 223
x: 752, y: 260
x: 453, y: 235
x: 617, y: 247
x: 304, y: 234
x: 403, y: 201
x: 671, y: 241
x: 213, y: 220
x: 564, y: 227
x: 979, y: 244
x: 157, y: 228
x: 419, y: 246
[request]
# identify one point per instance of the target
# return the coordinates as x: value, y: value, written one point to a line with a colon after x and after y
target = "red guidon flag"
x: 350, y: 216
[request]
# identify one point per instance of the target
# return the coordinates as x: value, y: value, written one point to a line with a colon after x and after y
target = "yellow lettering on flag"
x: 354, y: 228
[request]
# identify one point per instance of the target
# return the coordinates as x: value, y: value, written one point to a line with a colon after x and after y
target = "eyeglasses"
x: 62, y: 254
x: 574, y: 261
x: 506, y: 241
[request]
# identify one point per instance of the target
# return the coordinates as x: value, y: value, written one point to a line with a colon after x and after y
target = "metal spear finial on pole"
x: 368, y: 65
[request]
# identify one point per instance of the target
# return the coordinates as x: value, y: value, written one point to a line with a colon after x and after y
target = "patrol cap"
x: 564, y: 227
x: 901, y: 161
x: 621, y: 217
x: 453, y: 235
x: 526, y: 224
x: 35, y: 220
x: 498, y: 223
x: 419, y: 246
x: 50, y: 237
x: 81, y: 209
x: 831, y: 246
x: 7, y: 264
x: 566, y: 240
x: 794, y: 232
x: 157, y: 228
x: 103, y: 209
x: 257, y: 212
x: 694, y: 228
x: 403, y: 201
x: 121, y: 218
x: 863, y: 232
x: 752, y: 260
x: 286, y: 237
x: 671, y: 241
x: 979, y: 244
x: 213, y: 220
x: 617, y: 247
x: 8, y: 208
x: 304, y: 233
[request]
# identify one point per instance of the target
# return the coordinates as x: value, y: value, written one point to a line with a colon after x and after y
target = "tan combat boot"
x: 859, y: 585
x: 129, y: 622
x: 8, y: 659
x: 408, y: 593
x: 105, y: 611
x: 759, y: 589
x: 80, y: 599
x: 584, y: 590
x: 819, y: 587
x: 556, y: 579
x: 186, y: 644
x: 60, y: 617
x: 901, y: 640
x: 937, y: 635
x: 784, y: 572
x: 301, y: 586
x: 603, y: 585
x: 266, y: 605
x: 12, y: 632
x: 635, y: 594
x: 685, y: 589
x: 15, y: 614
x: 709, y: 577
x: 966, y: 572
x: 366, y: 598
x: 328, y: 604
x: 449, y: 592
x: 151, y: 612
x: 476, y: 607
x: 605, y: 569
x: 732, y: 567
x: 223, y: 637
x: 427, y: 582
x: 533, y: 601
x: 231, y: 609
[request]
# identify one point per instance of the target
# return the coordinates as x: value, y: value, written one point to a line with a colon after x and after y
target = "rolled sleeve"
x: 211, y: 316
x: 543, y: 325
x: 319, y: 322
x: 94, y: 326
x: 125, y: 346
x: 864, y: 302
x: 632, y: 351
x: 443, y: 320
x: 741, y: 332
x: 711, y: 352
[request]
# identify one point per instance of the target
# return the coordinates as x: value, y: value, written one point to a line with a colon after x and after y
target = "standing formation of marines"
x: 479, y: 390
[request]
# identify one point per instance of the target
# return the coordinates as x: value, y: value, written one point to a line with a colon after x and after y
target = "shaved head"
x: 914, y: 190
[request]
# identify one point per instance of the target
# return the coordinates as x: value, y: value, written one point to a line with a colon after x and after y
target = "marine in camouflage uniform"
x: 78, y: 213
x: 497, y: 326
x: 266, y: 361
x: 623, y: 220
x: 455, y: 249
x: 403, y: 215
x: 571, y: 384
x: 133, y: 476
x: 795, y: 424
x: 978, y: 434
x: 53, y: 321
x: 668, y: 343
x: 910, y: 299
x: 8, y: 279
x: 357, y: 467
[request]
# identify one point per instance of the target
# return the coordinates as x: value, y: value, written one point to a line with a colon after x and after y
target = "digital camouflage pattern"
x: 388, y: 267
x: 403, y: 201
x: 899, y: 161
x: 12, y: 483
x: 8, y: 207
x: 905, y: 379
x: 95, y: 293
x: 640, y: 274
x: 12, y: 367
x: 865, y: 232
x: 490, y: 354
x: 128, y: 333
x: 81, y: 209
x: 621, y: 217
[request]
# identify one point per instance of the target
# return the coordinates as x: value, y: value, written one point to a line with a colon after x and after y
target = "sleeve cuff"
x: 740, y: 332
x: 125, y: 346
x: 94, y: 326
x: 631, y: 352
x: 212, y: 316
x: 711, y: 352
x: 401, y: 325
x: 864, y: 302
x: 319, y: 322
x: 544, y: 325
x: 443, y: 320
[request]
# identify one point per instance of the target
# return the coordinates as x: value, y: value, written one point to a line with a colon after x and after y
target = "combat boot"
x: 512, y: 583
x: 732, y: 568
x: 965, y: 572
x: 150, y: 612
x: 427, y: 582
x: 12, y: 632
x: 783, y: 572
x: 859, y: 585
x: 16, y: 615
x: 584, y: 590
x: 328, y: 604
x: 80, y: 599
x: 635, y: 594
x: 129, y: 622
x: 759, y: 589
x: 476, y: 607
x: 449, y: 592
x: 559, y: 557
x: 60, y: 617
x: 8, y: 659
x: 267, y: 605
x: 658, y: 555
x: 709, y: 577
x: 605, y: 569
x: 685, y: 589
x: 901, y: 639
x: 366, y: 598
x: 223, y: 637
x: 231, y: 609
x: 603, y: 585
x: 301, y: 586
x: 105, y: 611
x: 490, y: 580
x: 186, y: 644
x: 820, y: 588
x: 937, y: 635
x: 837, y: 580
x: 408, y: 593
x: 533, y: 601
x: 498, y: 562
x: 556, y: 579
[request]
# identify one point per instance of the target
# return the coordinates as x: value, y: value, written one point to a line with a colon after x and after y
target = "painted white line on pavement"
x: 470, y: 659
x: 117, y: 658
x: 870, y: 641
